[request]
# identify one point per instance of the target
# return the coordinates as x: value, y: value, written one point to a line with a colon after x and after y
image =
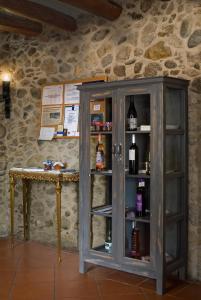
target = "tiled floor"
x: 30, y: 272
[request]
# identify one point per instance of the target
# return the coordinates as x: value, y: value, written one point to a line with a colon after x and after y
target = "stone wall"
x: 150, y: 38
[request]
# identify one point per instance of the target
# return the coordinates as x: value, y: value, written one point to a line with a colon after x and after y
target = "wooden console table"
x: 27, y: 175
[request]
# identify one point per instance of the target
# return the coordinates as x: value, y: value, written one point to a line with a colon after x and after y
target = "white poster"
x: 71, y: 94
x: 52, y: 95
x: 71, y: 119
x: 46, y: 133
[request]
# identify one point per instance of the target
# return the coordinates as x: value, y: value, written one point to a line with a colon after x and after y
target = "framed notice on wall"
x: 60, y: 109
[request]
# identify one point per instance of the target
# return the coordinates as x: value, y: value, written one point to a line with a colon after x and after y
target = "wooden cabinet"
x: 108, y: 197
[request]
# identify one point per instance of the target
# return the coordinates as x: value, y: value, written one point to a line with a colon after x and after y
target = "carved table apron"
x: 28, y: 175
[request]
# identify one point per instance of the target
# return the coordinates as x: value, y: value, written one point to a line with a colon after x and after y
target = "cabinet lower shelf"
x: 105, y: 211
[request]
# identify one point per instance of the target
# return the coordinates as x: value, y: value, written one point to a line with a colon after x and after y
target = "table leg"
x: 12, y: 201
x: 58, y: 201
x: 26, y: 208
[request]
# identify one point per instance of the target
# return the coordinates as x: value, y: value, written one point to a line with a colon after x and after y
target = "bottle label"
x: 108, y: 246
x: 99, y: 160
x: 132, y: 154
x: 139, y: 203
x: 132, y: 123
x: 141, y: 184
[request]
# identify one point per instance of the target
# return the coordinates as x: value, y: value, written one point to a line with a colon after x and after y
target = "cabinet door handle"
x: 114, y: 150
x: 119, y: 151
x: 114, y: 147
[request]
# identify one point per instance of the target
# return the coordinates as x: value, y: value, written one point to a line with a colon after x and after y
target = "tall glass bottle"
x: 135, y: 241
x: 100, y: 156
x: 133, y: 157
x: 140, y: 199
x: 132, y: 115
x: 108, y: 240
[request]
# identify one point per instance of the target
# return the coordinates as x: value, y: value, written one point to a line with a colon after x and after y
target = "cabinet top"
x: 177, y: 82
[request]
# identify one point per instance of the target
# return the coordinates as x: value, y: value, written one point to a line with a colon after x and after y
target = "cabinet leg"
x: 25, y: 200
x: 160, y: 286
x: 83, y: 266
x: 12, y: 201
x: 58, y: 201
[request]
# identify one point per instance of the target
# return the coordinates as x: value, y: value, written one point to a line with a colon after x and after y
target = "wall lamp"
x: 5, y: 97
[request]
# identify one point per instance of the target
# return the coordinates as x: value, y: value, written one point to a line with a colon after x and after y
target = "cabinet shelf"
x: 101, y: 249
x: 103, y: 173
x: 101, y: 132
x: 174, y: 218
x: 138, y: 132
x: 105, y: 211
x: 174, y: 131
x: 137, y: 176
x: 174, y: 174
x: 145, y: 219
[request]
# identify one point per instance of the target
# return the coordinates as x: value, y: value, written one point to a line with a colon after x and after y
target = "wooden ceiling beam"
x: 13, y: 23
x: 39, y: 12
x: 101, y: 8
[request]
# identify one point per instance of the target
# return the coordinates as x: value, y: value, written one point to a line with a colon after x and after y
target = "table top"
x: 42, y: 175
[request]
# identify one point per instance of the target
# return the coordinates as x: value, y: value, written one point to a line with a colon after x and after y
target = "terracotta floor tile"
x: 70, y: 274
x: 76, y: 289
x: 80, y: 298
x: 173, y: 286
x: 30, y: 263
x: 152, y: 296
x: 30, y: 271
x: 8, y: 263
x: 99, y: 273
x: 124, y: 297
x: 6, y: 277
x: 33, y: 291
x: 192, y: 291
x: 35, y: 275
x: 126, y: 278
x: 149, y: 284
x: 110, y: 287
x: 6, y: 282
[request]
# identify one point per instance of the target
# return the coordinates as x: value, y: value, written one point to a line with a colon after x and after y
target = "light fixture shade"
x: 6, y: 77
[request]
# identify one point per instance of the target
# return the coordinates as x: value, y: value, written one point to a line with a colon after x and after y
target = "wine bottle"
x: 135, y: 242
x: 100, y: 157
x: 140, y: 199
x: 108, y: 241
x: 132, y: 115
x: 133, y: 157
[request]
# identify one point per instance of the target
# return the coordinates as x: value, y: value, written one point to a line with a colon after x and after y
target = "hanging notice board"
x: 60, y: 109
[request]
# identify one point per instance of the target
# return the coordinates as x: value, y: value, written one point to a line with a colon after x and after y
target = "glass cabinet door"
x: 174, y: 172
x: 101, y: 210
x: 137, y: 131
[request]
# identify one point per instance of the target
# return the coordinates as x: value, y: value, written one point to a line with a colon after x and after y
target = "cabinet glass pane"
x: 174, y: 153
x: 101, y: 173
x: 173, y: 242
x: 137, y: 241
x: 101, y: 134
x: 101, y: 234
x: 101, y: 212
x: 137, y: 183
x: 101, y: 190
x: 142, y: 108
x: 173, y: 196
x: 137, y: 224
x: 174, y: 104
